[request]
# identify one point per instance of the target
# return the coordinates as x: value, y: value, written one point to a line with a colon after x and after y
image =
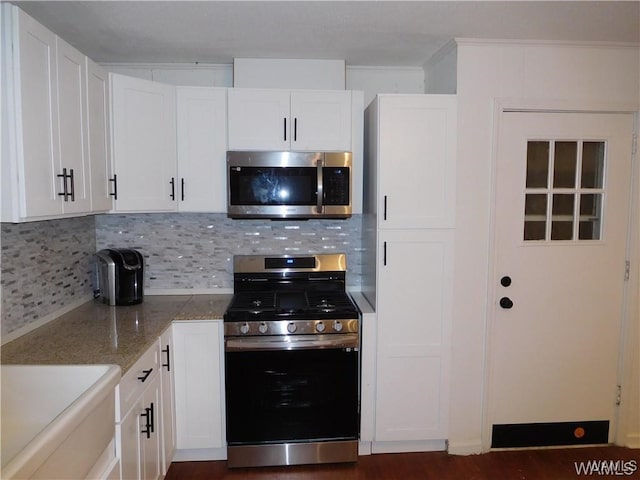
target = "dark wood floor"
x: 548, y: 464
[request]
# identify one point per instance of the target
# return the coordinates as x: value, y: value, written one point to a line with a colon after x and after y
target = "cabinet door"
x: 151, y: 454
x: 72, y: 126
x: 144, y: 144
x: 37, y: 93
x: 416, y: 160
x: 202, y: 148
x: 130, y: 453
x: 258, y: 119
x: 168, y: 404
x: 414, y: 317
x: 99, y: 137
x: 321, y: 120
x: 199, y: 363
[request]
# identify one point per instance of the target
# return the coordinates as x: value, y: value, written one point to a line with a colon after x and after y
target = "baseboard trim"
x: 199, y: 454
x: 465, y: 448
x: 632, y: 440
x: 405, y: 447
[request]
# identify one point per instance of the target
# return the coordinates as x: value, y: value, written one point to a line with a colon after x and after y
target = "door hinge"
x: 627, y: 268
x: 619, y: 395
x: 634, y: 144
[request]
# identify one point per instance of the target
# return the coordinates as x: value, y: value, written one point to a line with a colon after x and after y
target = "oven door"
x: 279, y: 393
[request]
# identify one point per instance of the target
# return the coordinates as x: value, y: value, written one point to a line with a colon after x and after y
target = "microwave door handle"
x: 320, y: 164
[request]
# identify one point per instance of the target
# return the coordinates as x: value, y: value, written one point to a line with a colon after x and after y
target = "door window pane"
x: 590, y: 216
x: 537, y: 164
x: 592, y: 165
x: 559, y: 174
x: 535, y: 211
x: 562, y: 217
x: 564, y: 169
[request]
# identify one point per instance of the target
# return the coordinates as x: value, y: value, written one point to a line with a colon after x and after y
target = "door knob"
x: 506, y: 303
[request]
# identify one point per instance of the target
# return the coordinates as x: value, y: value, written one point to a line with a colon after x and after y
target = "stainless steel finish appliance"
x: 119, y: 276
x: 292, y: 383
x: 289, y: 184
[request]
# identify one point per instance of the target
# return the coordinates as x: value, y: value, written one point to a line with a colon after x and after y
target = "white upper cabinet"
x: 99, y: 137
x: 72, y: 127
x: 202, y: 148
x: 32, y: 175
x: 46, y: 173
x: 313, y: 120
x: 144, y: 145
x: 321, y: 120
x: 259, y: 119
x: 416, y: 151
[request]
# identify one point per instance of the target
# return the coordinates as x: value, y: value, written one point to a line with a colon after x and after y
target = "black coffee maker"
x: 119, y: 276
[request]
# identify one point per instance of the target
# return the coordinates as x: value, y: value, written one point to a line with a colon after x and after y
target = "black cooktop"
x: 299, y: 305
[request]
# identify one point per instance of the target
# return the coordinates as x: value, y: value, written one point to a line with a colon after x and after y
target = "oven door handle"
x: 294, y: 342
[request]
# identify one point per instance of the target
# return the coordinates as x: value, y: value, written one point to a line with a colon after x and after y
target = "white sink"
x: 56, y: 419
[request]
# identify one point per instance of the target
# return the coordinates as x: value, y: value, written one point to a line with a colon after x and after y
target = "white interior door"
x: 561, y: 215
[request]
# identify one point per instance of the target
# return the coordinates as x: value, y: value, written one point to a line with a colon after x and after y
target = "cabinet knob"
x: 506, y: 303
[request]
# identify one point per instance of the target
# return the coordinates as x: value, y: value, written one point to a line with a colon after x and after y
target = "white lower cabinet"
x: 167, y: 404
x: 413, y: 330
x: 199, y: 390
x: 139, y: 420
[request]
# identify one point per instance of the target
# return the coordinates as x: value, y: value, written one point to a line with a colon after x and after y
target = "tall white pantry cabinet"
x: 409, y: 220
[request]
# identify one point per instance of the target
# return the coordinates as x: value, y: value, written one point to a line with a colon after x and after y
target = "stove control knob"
x: 337, y: 326
x: 320, y: 327
x: 263, y: 327
x: 244, y: 328
x: 292, y: 327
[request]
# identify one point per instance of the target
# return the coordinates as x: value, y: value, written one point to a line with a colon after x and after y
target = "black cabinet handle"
x: 384, y: 212
x: 384, y: 254
x: 506, y: 303
x: 295, y: 129
x: 168, y: 364
x: 173, y: 188
x: 152, y: 422
x: 285, y: 129
x: 73, y: 186
x: 146, y: 373
x: 114, y: 194
x: 505, y: 281
x: 65, y: 192
x: 182, y: 189
x: 148, y: 421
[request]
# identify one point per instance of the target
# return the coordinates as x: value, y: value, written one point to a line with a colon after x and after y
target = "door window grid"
x: 564, y: 190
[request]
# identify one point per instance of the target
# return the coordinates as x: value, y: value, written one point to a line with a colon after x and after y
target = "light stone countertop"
x: 95, y: 333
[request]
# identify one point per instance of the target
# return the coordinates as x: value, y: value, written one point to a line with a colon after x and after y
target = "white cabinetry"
x: 144, y: 144
x: 410, y: 150
x: 314, y: 120
x: 199, y: 390
x: 167, y: 404
x: 98, y: 108
x: 47, y: 172
x: 139, y: 420
x: 72, y: 127
x: 416, y: 167
x: 202, y: 148
x: 169, y: 147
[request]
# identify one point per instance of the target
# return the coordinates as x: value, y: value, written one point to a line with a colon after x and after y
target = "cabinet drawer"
x: 136, y: 380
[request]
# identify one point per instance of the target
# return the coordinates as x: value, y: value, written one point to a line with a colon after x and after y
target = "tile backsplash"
x: 46, y: 265
x: 195, y: 250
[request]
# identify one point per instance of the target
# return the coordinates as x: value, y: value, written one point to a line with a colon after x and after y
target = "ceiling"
x: 393, y: 33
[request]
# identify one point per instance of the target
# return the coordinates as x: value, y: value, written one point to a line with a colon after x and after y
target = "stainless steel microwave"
x: 288, y: 184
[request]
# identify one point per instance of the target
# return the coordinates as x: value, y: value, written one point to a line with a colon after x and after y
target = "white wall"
x: 371, y: 80
x: 551, y: 74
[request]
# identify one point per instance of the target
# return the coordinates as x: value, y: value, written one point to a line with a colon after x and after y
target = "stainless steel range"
x: 292, y: 337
